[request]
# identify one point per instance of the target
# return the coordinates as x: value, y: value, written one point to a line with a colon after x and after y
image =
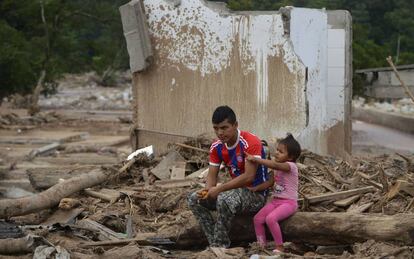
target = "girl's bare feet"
x: 279, y: 249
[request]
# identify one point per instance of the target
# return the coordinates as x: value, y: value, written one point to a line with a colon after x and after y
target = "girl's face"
x: 281, y: 153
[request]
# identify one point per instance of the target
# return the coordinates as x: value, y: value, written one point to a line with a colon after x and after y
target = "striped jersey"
x: 233, y: 157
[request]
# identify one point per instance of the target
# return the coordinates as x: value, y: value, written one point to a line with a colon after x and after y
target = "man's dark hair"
x: 292, y: 146
x: 222, y: 113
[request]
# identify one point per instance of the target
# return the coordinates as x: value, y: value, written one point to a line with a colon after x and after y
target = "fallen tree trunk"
x: 319, y: 228
x: 347, y: 228
x: 52, y: 196
x: 44, y: 178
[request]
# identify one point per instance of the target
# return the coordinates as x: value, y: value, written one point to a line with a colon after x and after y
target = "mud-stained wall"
x: 203, y: 59
x: 270, y: 68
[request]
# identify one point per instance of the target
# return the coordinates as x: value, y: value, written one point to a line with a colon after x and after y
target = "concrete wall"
x: 280, y: 71
x: 385, y: 84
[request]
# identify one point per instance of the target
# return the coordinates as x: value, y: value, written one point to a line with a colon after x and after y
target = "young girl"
x: 285, y: 193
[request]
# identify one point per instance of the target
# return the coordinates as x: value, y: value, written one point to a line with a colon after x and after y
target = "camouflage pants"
x: 228, y: 204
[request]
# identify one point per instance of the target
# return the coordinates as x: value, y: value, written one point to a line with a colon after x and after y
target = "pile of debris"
x: 355, y: 209
x: 13, y: 121
x: 403, y: 106
x: 83, y: 91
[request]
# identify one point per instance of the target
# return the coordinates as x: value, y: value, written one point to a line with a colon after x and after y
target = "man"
x: 232, y: 197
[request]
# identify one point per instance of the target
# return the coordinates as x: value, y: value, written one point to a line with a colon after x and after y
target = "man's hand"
x: 250, y: 158
x: 252, y: 189
x: 212, y: 194
x: 202, y: 194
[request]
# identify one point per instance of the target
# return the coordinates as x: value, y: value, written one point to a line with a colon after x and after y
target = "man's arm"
x: 212, y: 176
x: 243, y: 180
x: 211, y: 181
x: 265, y: 185
x: 268, y: 163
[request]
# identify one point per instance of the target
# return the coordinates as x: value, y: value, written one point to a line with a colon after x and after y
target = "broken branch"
x: 52, y: 196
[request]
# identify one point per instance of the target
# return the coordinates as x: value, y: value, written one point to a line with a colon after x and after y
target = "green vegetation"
x: 77, y: 36
x: 58, y: 36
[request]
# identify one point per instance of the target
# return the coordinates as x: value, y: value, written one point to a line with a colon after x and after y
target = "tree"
x: 58, y: 36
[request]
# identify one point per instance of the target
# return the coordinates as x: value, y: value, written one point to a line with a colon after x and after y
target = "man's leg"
x: 229, y: 204
x: 201, y: 210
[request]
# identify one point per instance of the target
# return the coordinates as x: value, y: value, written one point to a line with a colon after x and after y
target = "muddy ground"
x: 90, y: 127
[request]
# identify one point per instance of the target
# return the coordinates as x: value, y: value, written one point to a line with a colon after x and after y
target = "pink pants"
x: 271, y: 214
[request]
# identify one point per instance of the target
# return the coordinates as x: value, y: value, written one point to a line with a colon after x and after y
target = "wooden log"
x: 44, y: 178
x: 318, y: 228
x: 22, y: 245
x: 347, y: 228
x: 52, y: 196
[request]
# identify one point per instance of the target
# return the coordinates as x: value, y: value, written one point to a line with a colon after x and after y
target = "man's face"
x: 226, y: 132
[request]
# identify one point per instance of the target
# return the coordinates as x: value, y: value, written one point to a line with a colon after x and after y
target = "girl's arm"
x: 268, y: 163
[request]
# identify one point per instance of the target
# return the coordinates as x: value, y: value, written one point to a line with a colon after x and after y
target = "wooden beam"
x: 191, y: 147
x: 347, y: 201
x: 339, y: 195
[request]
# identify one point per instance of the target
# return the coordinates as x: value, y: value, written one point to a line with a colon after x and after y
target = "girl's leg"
x: 259, y: 221
x: 283, y: 209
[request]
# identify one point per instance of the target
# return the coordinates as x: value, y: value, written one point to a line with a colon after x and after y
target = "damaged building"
x: 281, y: 71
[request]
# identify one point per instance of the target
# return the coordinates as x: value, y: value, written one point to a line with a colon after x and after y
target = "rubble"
x: 137, y: 207
x: 403, y: 106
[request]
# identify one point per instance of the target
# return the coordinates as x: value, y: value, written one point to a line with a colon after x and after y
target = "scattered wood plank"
x: 359, y: 208
x: 409, y: 205
x: 399, y: 186
x: 178, y: 171
x: 219, y: 252
x: 338, y: 178
x: 63, y: 216
x: 315, y: 180
x: 372, y: 182
x: 141, y: 239
x: 42, y: 150
x: 191, y: 147
x: 339, y: 195
x: 383, y: 178
x: 197, y: 173
x: 104, y: 232
x: 52, y: 196
x: 162, y: 170
x: 347, y: 201
x: 104, y: 194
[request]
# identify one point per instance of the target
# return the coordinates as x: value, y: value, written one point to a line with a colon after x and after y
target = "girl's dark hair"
x: 292, y: 146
